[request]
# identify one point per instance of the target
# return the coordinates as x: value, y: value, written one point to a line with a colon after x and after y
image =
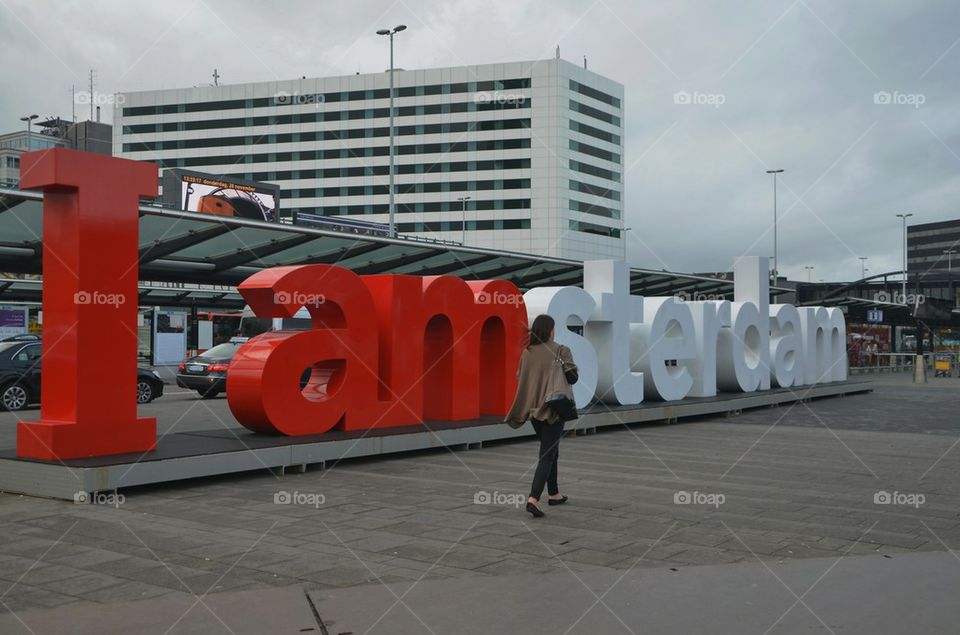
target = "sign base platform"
x: 187, y: 455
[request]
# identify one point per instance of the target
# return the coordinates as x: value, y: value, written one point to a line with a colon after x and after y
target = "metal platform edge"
x: 53, y: 480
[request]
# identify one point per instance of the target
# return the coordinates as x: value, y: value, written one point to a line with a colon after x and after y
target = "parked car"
x: 207, y: 373
x: 20, y: 376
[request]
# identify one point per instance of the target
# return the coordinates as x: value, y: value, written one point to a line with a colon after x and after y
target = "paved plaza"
x: 831, y: 515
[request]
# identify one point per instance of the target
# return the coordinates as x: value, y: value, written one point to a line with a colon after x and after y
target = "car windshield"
x: 221, y: 351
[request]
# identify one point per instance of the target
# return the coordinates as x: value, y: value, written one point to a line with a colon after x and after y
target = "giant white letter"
x: 666, y: 334
x: 608, y: 329
x: 744, y: 348
x: 708, y: 319
x: 786, y: 348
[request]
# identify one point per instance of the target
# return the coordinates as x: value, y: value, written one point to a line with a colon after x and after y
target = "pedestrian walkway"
x: 871, y: 475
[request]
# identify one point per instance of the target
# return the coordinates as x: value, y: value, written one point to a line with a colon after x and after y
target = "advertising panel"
x: 13, y: 321
x: 221, y: 196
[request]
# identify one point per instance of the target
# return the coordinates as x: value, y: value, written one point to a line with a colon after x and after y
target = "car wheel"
x: 14, y: 396
x: 144, y: 391
x: 209, y: 394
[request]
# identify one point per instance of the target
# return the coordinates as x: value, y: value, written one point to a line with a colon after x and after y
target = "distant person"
x: 537, y: 366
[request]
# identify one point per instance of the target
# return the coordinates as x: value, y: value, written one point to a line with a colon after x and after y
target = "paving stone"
x: 80, y: 584
x: 29, y: 597
x: 126, y: 592
x: 591, y: 556
x: 796, y: 493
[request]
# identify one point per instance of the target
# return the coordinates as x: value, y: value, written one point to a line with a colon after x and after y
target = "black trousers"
x: 546, y: 474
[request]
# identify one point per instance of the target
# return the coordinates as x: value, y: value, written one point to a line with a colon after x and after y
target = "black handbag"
x: 557, y: 399
x: 564, y: 407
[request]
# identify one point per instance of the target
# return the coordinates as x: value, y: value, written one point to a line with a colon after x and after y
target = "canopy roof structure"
x: 187, y: 248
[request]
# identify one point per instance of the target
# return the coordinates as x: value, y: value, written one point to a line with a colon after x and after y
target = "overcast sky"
x: 788, y: 84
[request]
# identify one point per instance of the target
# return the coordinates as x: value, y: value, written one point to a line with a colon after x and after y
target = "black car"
x: 20, y: 376
x: 207, y: 373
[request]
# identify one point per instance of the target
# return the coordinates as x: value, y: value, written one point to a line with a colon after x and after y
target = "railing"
x: 351, y: 226
x: 902, y: 362
x: 885, y: 363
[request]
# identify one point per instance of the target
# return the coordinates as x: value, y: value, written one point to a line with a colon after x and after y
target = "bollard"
x: 919, y: 370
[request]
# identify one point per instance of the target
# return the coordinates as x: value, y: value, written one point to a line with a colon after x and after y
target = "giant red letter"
x: 90, y: 226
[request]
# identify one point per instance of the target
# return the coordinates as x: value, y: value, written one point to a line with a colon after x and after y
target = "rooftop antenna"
x: 584, y: 62
x: 558, y: 51
x: 216, y: 78
x: 93, y: 75
x: 73, y: 103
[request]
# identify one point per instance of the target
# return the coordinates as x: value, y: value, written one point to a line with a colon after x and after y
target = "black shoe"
x: 533, y: 509
x: 557, y: 501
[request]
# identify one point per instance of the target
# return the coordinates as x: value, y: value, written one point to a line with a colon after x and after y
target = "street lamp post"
x: 809, y: 269
x: 904, y: 217
x: 774, y: 173
x: 863, y: 267
x: 623, y: 231
x: 391, y: 32
x: 949, y: 253
x: 463, y: 216
x: 29, y: 119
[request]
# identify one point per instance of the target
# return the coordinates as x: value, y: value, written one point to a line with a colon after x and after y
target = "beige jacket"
x: 536, y: 365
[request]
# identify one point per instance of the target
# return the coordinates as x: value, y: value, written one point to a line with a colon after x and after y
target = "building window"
x: 595, y: 94
x: 596, y: 210
x: 593, y: 112
x: 595, y: 190
x: 590, y: 228
x: 593, y: 170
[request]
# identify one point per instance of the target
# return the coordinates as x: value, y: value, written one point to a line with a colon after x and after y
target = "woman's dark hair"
x: 540, y: 330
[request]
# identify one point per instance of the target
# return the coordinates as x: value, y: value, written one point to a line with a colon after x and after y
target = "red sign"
x: 90, y: 251
x: 384, y: 350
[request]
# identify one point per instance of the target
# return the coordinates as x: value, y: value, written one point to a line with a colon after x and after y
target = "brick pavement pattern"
x: 796, y: 482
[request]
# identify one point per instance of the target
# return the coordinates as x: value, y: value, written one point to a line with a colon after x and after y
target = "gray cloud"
x: 797, y: 81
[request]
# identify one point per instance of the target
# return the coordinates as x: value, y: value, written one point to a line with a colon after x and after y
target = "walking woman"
x: 538, y: 365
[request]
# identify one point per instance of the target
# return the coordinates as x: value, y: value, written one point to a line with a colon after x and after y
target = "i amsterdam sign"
x: 386, y: 350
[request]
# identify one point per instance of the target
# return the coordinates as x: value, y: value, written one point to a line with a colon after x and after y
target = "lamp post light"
x: 29, y: 119
x: 904, y: 217
x: 623, y: 231
x: 863, y: 267
x: 809, y: 269
x: 949, y: 253
x: 391, y: 32
x: 463, y: 215
x: 774, y: 173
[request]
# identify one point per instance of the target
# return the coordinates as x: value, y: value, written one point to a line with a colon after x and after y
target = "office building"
x: 523, y: 156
